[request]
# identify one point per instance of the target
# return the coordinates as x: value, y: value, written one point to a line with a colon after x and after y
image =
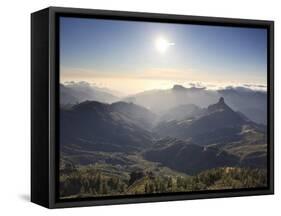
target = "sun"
x: 162, y: 44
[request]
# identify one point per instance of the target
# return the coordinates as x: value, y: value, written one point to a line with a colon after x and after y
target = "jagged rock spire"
x: 220, y: 105
x: 178, y: 87
x: 221, y: 100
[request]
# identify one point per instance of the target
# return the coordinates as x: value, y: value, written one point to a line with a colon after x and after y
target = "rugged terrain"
x: 123, y: 147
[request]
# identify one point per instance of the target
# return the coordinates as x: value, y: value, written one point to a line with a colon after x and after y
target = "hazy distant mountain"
x: 76, y: 92
x: 160, y: 101
x: 180, y: 112
x: 250, y: 102
x: 219, y: 124
x: 94, y: 126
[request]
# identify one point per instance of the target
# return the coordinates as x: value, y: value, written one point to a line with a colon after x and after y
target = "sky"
x: 131, y: 56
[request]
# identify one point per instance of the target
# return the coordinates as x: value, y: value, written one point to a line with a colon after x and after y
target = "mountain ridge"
x: 218, y: 122
x: 102, y: 128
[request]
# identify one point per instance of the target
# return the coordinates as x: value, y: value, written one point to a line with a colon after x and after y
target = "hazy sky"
x: 135, y: 56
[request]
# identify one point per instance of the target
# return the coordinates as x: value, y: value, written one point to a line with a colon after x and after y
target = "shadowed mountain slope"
x: 218, y: 124
x: 102, y: 127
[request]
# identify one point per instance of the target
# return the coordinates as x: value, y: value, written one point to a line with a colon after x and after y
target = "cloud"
x: 155, y: 78
x: 222, y: 86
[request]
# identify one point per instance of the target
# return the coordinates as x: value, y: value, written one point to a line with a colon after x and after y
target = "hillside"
x: 102, y: 127
x: 219, y: 124
x: 123, y: 148
x: 189, y: 158
x: 73, y: 93
x: 251, y: 103
x: 92, y: 182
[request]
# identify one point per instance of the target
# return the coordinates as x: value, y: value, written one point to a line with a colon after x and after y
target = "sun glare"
x: 162, y: 44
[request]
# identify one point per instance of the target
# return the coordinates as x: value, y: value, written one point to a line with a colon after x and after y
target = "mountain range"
x: 249, y: 102
x: 216, y: 124
x: 72, y: 93
x: 185, y: 138
x: 96, y: 126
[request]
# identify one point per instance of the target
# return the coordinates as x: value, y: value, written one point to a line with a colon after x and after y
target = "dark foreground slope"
x: 93, y: 182
x: 189, y: 158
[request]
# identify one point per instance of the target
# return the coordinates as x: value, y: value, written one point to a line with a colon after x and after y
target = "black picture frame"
x: 45, y: 105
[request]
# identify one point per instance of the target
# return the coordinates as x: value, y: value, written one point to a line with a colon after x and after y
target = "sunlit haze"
x: 136, y: 56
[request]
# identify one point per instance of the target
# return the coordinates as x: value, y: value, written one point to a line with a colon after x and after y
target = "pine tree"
x: 104, y: 188
x: 146, y: 188
x: 170, y: 183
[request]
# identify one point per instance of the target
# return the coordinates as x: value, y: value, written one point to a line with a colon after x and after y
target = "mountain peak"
x: 178, y: 88
x: 90, y: 106
x: 221, y: 100
x: 219, y: 106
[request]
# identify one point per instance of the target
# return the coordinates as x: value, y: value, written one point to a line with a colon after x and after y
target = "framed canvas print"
x: 139, y: 107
